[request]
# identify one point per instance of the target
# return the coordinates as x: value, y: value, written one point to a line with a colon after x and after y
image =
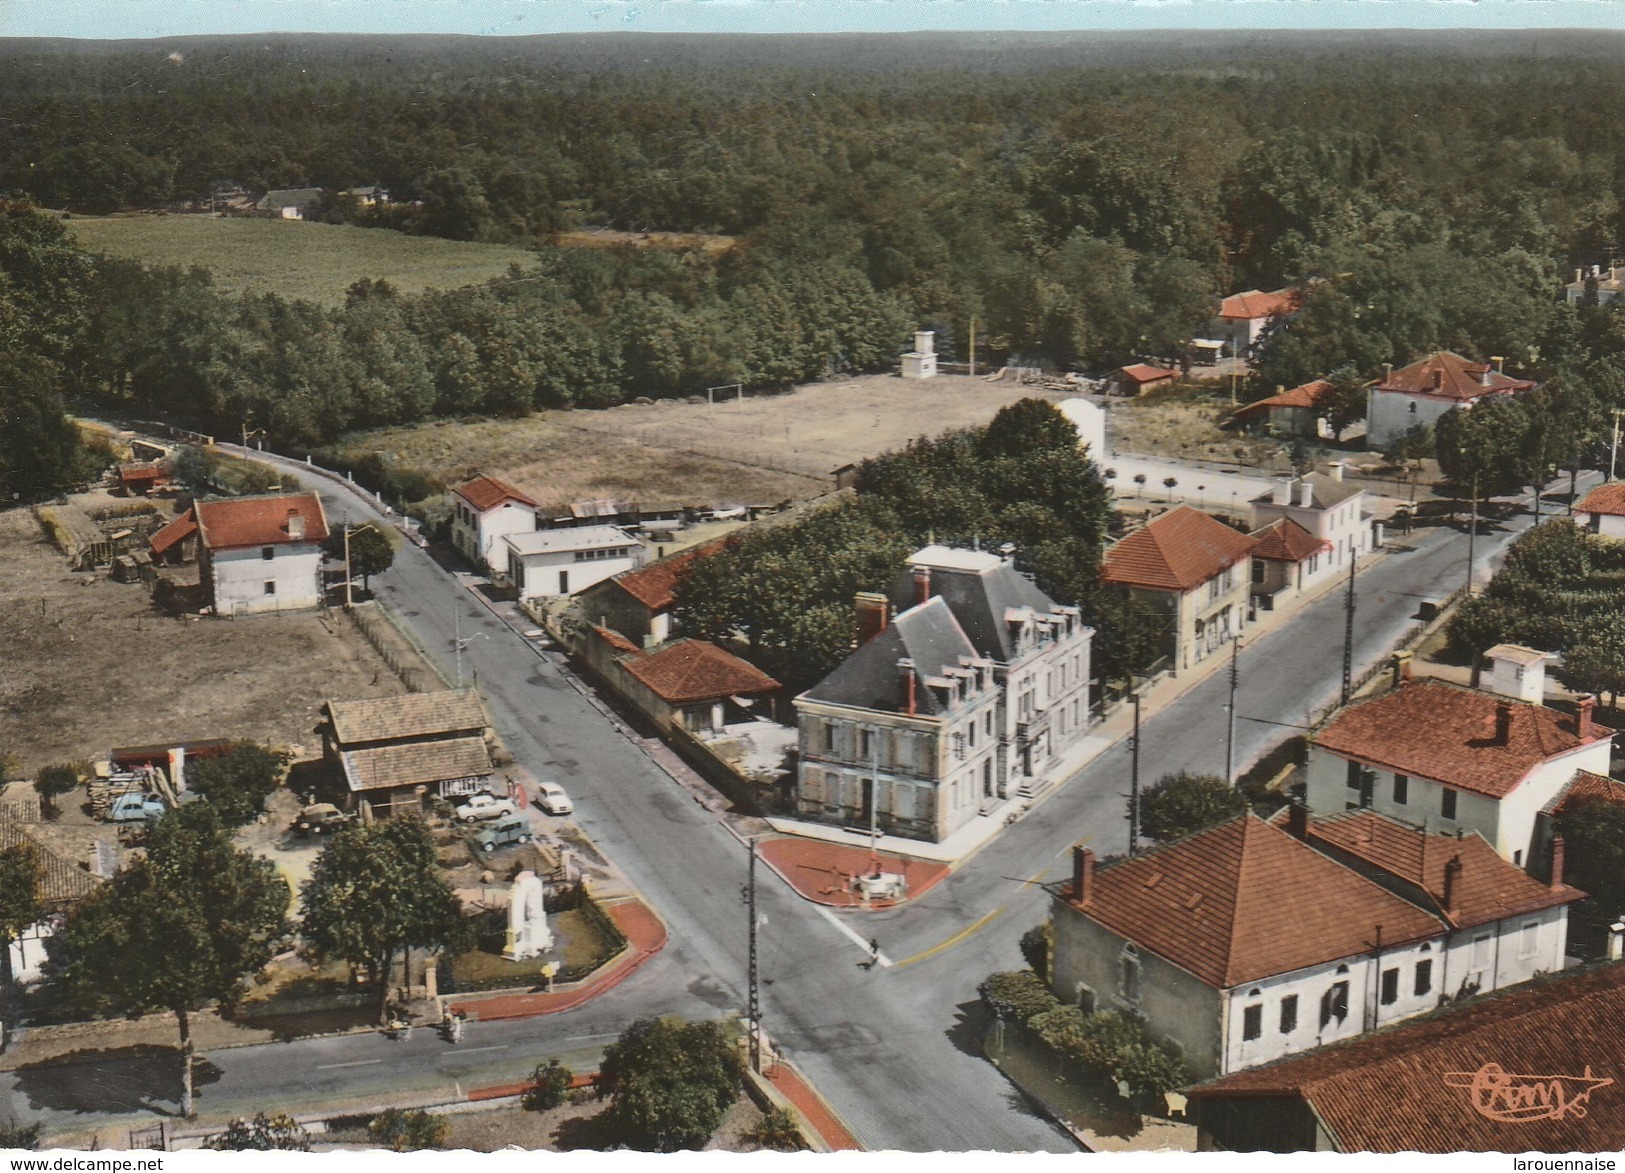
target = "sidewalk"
x: 820, y: 1117
x: 819, y: 871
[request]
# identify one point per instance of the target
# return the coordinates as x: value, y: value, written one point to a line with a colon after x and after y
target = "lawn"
x: 316, y: 262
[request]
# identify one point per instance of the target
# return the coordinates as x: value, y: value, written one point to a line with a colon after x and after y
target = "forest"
x: 1083, y: 201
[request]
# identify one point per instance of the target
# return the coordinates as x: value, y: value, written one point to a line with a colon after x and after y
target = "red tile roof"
x: 1287, y: 541
x: 1310, y: 395
x: 63, y: 883
x: 174, y: 533
x: 1408, y: 1088
x: 231, y: 523
x: 695, y: 670
x: 1585, y: 787
x: 655, y: 585
x: 1447, y: 733
x: 1245, y: 901
x: 1604, y: 499
x: 1486, y: 887
x: 1254, y: 303
x: 1447, y: 375
x: 143, y: 471
x: 1143, y: 373
x: 1178, y: 551
x: 483, y: 492
x: 617, y: 641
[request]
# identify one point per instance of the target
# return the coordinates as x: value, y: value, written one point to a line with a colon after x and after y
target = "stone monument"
x: 528, y: 934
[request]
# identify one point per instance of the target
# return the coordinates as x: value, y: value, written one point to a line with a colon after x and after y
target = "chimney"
x: 1579, y: 276
x: 1583, y: 706
x: 1503, y: 721
x: 905, y: 669
x: 1297, y: 820
x: 1484, y: 379
x: 1283, y: 491
x: 1387, y: 373
x: 1452, y: 874
x: 1557, y: 861
x: 1083, y: 873
x: 922, y: 584
x: 1438, y: 380
x: 874, y: 613
x: 1336, y: 470
x: 1401, y: 666
x: 296, y: 525
x: 1596, y: 270
x: 1616, y: 940
x: 1306, y: 493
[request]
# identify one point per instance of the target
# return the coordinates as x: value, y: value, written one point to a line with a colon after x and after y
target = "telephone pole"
x: 1348, y: 633
x: 1134, y: 779
x: 1472, y: 534
x: 1230, y: 733
x: 755, y: 1009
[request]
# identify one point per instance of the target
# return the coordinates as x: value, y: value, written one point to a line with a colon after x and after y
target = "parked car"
x: 510, y: 828
x: 551, y: 798
x: 485, y: 806
x: 319, y: 818
x: 136, y: 807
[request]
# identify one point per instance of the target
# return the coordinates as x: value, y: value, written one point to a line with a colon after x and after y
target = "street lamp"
x: 349, y: 583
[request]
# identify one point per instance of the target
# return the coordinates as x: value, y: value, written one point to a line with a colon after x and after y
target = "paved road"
x: 894, y: 1050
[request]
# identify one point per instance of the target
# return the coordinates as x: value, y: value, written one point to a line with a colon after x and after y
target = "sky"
x: 172, y: 18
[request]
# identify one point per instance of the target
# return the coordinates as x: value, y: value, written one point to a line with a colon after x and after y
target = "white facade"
x: 281, y: 577
x: 1330, y: 511
x: 1391, y: 415
x: 479, y: 534
x: 557, y: 562
x: 1609, y: 525
x: 1090, y: 420
x: 921, y: 362
x: 1507, y: 824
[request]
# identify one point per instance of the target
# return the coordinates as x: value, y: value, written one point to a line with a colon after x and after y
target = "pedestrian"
x: 874, y: 951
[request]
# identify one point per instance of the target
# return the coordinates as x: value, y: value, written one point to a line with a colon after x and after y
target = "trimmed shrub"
x: 1017, y: 997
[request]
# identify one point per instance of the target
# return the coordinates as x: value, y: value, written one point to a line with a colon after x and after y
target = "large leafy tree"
x: 1182, y: 804
x: 377, y: 890
x: 238, y: 782
x: 20, y: 904
x: 1593, y: 834
x: 1489, y: 445
x: 181, y: 929
x: 670, y: 1081
x: 371, y: 551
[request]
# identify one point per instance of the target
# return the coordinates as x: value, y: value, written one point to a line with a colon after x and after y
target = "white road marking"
x: 357, y: 1063
x: 883, y: 960
x: 471, y: 1050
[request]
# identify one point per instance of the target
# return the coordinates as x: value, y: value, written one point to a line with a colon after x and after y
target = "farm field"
x: 315, y: 262
x: 90, y: 664
x: 765, y: 449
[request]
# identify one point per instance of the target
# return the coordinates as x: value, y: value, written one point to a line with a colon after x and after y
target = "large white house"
x: 255, y: 553
x: 1457, y: 758
x: 1331, y: 510
x: 1250, y: 941
x: 556, y: 562
x: 970, y: 696
x: 1417, y: 396
x: 484, y: 511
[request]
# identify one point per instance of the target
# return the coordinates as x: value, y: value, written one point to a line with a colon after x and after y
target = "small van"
x: 501, y: 831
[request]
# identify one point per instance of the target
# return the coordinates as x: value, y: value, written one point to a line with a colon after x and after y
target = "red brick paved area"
x: 811, y: 1105
x: 819, y: 870
x: 645, y: 936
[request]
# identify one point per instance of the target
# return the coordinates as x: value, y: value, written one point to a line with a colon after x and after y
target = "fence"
x: 365, y: 617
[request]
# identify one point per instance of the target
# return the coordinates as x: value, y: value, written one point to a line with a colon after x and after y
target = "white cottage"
x: 556, y: 562
x: 1331, y: 510
x: 261, y: 553
x: 1419, y: 395
x: 485, y: 511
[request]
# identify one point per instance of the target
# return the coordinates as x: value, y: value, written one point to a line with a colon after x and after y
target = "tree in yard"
x: 20, y: 906
x: 52, y: 783
x: 1488, y: 444
x: 1345, y: 404
x: 407, y: 1132
x: 1134, y: 632
x: 1139, y: 480
x: 1594, y: 660
x: 1593, y: 832
x: 1170, y: 483
x: 549, y: 1084
x: 777, y: 1130
x: 669, y: 1081
x: 40, y: 450
x: 372, y: 551
x: 237, y: 783
x: 1038, y: 947
x: 1179, y: 804
x: 263, y: 1133
x: 375, y: 891
x: 181, y: 929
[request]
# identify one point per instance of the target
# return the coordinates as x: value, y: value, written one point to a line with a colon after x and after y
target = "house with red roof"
x: 1602, y: 511
x: 1417, y: 396
x: 1532, y: 1069
x: 1286, y: 559
x: 1243, y: 317
x: 254, y: 554
x: 1196, y: 569
x: 484, y: 511
x: 1138, y: 378
x: 1454, y: 758
x: 639, y: 603
x: 1250, y: 941
x: 1299, y: 412
x: 1332, y: 510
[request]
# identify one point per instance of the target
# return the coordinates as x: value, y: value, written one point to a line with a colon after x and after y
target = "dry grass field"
x: 764, y: 449
x: 89, y: 664
x: 316, y: 262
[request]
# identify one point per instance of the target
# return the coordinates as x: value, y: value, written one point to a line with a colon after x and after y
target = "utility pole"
x: 457, y: 639
x: 1472, y: 533
x: 1230, y: 733
x: 973, y: 344
x: 755, y: 1008
x: 1613, y: 451
x: 1134, y: 779
x: 1348, y: 633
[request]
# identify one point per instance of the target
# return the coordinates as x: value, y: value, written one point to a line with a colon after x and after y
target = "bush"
x: 1111, y: 1045
x: 52, y: 783
x: 262, y: 1133
x: 1016, y: 997
x: 1037, y: 945
x: 407, y: 1132
x: 670, y: 1081
x: 777, y: 1131
x: 550, y: 1084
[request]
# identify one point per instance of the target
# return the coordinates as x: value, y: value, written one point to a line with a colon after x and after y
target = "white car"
x: 485, y: 806
x: 551, y: 798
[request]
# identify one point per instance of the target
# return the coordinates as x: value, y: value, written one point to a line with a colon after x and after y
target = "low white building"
x: 1090, y: 420
x: 485, y: 511
x: 1609, y: 283
x: 1331, y: 510
x: 1249, y: 941
x: 1417, y: 396
x: 262, y: 553
x: 555, y: 562
x: 1603, y: 511
x: 62, y: 885
x: 921, y: 362
x: 1457, y: 758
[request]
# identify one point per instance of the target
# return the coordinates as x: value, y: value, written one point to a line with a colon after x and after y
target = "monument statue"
x: 528, y: 934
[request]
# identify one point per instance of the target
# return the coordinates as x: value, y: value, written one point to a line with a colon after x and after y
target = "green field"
x: 316, y: 262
